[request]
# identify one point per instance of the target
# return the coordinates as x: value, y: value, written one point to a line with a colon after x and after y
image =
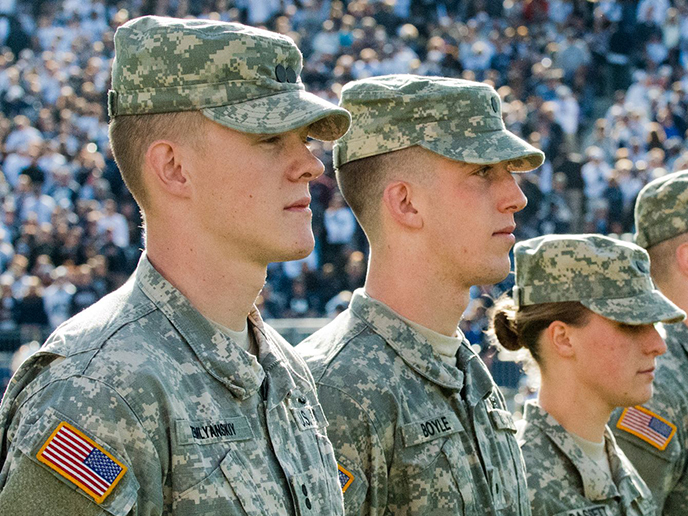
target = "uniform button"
x: 304, y: 490
x: 495, y: 104
x: 280, y: 73
x: 291, y: 75
x: 302, y: 400
x: 308, y: 504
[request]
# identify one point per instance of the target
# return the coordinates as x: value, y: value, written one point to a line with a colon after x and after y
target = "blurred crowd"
x: 599, y: 86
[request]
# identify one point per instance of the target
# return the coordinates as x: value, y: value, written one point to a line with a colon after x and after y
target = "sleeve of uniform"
x: 677, y: 500
x: 358, y: 446
x: 653, y: 438
x: 75, y: 447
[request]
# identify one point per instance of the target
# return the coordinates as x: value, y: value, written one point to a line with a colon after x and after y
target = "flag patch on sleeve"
x: 647, y: 425
x: 345, y: 478
x: 81, y: 461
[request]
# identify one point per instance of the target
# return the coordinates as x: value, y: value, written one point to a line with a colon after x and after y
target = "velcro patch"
x: 82, y: 461
x: 591, y: 510
x: 646, y: 425
x: 345, y: 478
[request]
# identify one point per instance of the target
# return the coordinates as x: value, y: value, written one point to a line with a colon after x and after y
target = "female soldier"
x: 585, y: 308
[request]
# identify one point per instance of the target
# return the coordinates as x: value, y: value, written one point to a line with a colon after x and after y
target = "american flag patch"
x: 646, y: 425
x: 345, y: 478
x: 80, y: 460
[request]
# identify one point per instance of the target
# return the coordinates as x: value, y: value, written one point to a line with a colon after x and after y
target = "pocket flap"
x: 502, y: 419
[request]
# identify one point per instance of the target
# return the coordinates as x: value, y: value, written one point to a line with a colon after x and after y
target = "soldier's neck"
x: 412, y: 290
x: 222, y: 288
x: 577, y: 410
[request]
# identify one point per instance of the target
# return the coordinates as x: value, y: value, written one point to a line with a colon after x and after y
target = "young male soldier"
x: 654, y: 436
x: 163, y: 398
x: 418, y: 425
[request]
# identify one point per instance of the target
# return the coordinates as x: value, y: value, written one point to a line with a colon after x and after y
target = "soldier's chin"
x: 296, y: 253
x: 493, y: 273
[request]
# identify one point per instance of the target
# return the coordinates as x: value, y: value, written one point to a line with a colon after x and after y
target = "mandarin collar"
x: 409, y: 344
x: 225, y: 360
x: 597, y: 484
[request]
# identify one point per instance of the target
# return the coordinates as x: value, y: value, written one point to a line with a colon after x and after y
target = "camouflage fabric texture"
x: 460, y: 120
x: 661, y: 209
x: 564, y: 481
x: 413, y: 435
x: 202, y: 426
x: 244, y: 78
x: 610, y: 277
x: 665, y: 470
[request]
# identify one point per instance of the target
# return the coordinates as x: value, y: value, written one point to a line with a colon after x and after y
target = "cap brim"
x: 284, y: 112
x: 489, y: 148
x: 645, y: 308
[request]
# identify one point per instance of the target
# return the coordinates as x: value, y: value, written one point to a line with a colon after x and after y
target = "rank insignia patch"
x: 345, y: 478
x: 647, y: 425
x: 81, y: 461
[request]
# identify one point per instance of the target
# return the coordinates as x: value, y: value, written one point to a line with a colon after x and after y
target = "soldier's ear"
x: 164, y: 165
x: 682, y: 259
x: 559, y: 334
x: 397, y: 200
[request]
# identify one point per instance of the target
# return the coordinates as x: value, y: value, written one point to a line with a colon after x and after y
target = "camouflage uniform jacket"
x: 563, y: 481
x: 412, y: 435
x: 664, y: 464
x: 201, y: 426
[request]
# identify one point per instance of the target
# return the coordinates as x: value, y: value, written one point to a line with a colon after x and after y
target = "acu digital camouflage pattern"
x: 244, y: 78
x: 563, y: 480
x: 665, y: 471
x: 145, y: 375
x: 661, y: 209
x: 460, y: 120
x: 418, y: 436
x: 610, y: 277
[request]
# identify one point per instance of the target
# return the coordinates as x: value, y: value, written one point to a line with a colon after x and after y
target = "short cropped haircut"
x: 363, y: 181
x: 663, y: 259
x: 131, y: 135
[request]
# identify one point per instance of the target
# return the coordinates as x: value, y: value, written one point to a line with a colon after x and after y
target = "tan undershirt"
x: 595, y: 451
x: 242, y: 338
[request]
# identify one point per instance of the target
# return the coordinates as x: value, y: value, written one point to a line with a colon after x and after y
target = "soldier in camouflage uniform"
x: 585, y: 308
x: 661, y: 455
x: 154, y: 400
x: 418, y: 425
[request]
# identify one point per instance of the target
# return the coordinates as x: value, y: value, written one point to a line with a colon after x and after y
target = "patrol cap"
x: 661, y: 209
x: 610, y: 277
x: 244, y: 78
x: 460, y: 120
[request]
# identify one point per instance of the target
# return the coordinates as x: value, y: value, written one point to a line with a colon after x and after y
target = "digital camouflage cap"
x: 661, y: 209
x: 610, y: 277
x: 244, y: 78
x: 460, y: 120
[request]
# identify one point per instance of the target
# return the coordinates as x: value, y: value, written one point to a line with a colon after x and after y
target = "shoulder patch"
x: 646, y: 425
x: 345, y: 478
x: 82, y: 461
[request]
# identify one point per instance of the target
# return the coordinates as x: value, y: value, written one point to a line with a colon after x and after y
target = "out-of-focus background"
x: 599, y: 86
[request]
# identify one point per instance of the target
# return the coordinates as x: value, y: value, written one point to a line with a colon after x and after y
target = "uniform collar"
x: 409, y: 344
x: 597, y: 485
x: 239, y: 371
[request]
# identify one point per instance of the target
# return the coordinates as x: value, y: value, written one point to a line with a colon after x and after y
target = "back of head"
x: 457, y: 119
x: 564, y: 277
x: 240, y: 77
x: 661, y: 209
